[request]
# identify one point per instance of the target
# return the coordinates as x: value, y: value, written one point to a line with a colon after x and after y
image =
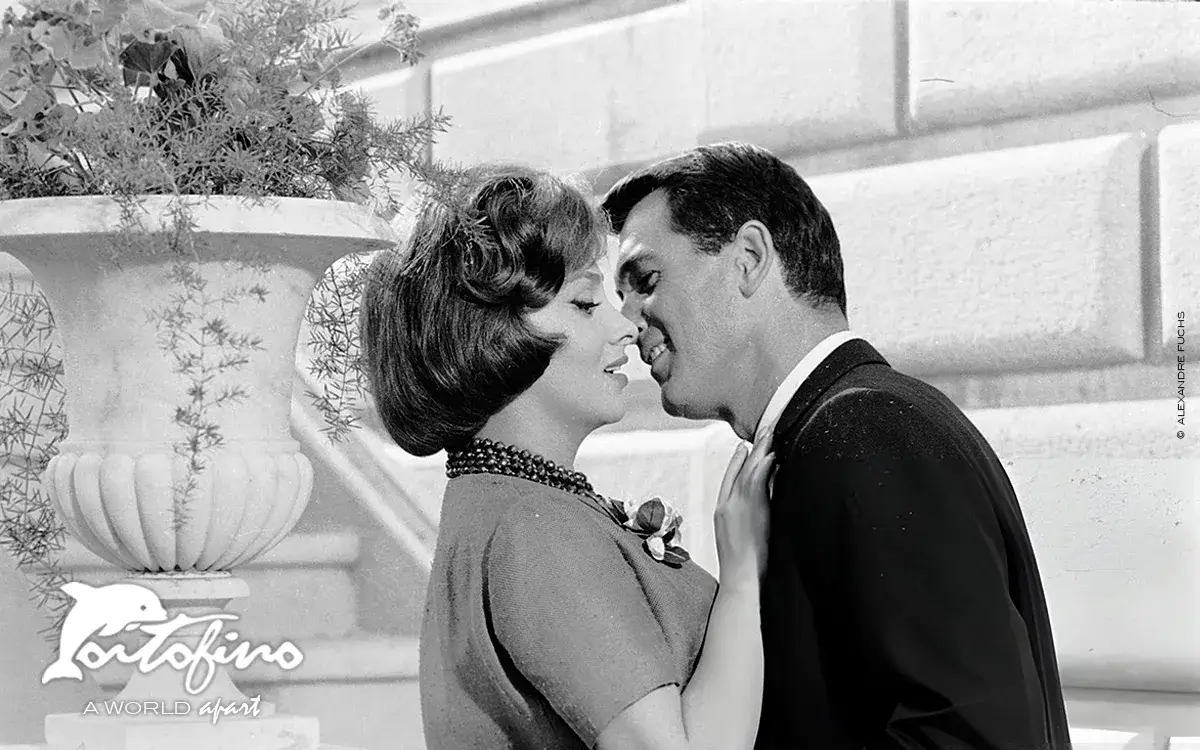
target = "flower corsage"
x: 657, y: 522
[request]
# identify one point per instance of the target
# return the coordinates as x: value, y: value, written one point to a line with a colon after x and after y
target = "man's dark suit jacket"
x: 901, y: 605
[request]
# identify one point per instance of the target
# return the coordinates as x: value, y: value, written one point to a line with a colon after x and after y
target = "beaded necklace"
x: 481, y: 456
x: 653, y: 520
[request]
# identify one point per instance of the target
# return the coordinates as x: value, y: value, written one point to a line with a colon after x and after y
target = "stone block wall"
x: 1015, y: 189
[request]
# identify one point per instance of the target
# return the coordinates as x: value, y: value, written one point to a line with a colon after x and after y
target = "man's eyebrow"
x: 630, y: 265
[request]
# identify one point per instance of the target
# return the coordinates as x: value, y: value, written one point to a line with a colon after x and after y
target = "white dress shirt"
x: 787, y: 389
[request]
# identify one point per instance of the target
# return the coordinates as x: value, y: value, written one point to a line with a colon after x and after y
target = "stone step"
x: 301, y: 589
x: 361, y: 687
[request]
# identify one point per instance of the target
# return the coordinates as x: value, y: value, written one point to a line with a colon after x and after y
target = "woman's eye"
x: 587, y: 307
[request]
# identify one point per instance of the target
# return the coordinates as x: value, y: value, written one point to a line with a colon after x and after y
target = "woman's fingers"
x: 731, y: 473
x: 760, y: 454
x: 765, y: 465
x: 759, y: 460
x: 761, y: 448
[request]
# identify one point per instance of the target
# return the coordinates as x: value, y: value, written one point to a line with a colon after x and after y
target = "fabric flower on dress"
x: 657, y: 522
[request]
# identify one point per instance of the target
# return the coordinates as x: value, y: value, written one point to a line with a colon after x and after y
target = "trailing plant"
x: 31, y: 425
x: 129, y: 98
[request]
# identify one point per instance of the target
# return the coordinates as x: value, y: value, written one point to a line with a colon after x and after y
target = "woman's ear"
x: 754, y: 252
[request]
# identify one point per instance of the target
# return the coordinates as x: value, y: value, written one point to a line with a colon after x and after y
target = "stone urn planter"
x: 118, y: 479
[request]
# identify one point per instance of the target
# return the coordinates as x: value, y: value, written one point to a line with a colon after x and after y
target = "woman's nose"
x: 631, y: 310
x: 626, y: 331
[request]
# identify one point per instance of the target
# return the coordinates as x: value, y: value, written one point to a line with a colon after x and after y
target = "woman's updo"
x: 445, y: 340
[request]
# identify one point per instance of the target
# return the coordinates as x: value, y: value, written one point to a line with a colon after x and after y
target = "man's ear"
x: 754, y: 253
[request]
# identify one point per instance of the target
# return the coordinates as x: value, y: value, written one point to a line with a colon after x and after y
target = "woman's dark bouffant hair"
x: 444, y: 336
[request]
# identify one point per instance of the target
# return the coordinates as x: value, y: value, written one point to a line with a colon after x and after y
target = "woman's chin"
x: 615, y: 411
x: 617, y: 403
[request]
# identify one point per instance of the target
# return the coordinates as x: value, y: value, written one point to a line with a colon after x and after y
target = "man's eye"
x: 647, y: 281
x: 587, y: 307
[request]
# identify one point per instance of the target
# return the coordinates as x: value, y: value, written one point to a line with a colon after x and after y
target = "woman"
x: 548, y: 624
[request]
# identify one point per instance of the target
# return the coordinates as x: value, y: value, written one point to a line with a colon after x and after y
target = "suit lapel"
x: 833, y: 368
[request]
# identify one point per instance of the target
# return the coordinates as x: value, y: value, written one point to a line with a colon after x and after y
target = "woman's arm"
x: 719, y: 709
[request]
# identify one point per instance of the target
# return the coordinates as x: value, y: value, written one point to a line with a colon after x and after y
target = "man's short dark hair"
x: 446, y: 343
x: 712, y: 191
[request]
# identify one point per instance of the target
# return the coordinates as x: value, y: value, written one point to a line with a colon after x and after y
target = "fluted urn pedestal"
x: 125, y: 481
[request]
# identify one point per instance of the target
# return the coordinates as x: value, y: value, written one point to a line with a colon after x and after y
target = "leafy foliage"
x: 108, y: 97
x: 31, y: 426
x: 128, y: 98
x: 336, y: 358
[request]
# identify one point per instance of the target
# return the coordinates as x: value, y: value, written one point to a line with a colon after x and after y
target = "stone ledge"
x: 98, y: 732
x: 1174, y: 715
x: 1131, y: 430
x: 303, y: 550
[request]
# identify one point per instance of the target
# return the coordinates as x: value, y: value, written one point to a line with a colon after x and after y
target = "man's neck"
x: 778, y: 357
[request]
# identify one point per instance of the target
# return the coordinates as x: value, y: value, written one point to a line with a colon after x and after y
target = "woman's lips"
x: 612, y: 369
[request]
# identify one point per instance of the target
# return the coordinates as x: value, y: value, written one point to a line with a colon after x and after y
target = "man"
x: 901, y: 604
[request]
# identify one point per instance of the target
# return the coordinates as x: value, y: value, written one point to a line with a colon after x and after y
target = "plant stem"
x: 339, y: 64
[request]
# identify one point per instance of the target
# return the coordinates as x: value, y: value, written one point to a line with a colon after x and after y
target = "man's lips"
x: 656, y: 352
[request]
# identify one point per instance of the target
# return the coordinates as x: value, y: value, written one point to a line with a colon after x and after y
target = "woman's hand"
x: 741, y: 519
x: 720, y: 707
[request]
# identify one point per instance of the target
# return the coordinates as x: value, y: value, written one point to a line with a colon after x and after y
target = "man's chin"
x: 678, y: 405
x: 672, y: 406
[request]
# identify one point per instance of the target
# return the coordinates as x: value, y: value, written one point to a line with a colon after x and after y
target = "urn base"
x: 277, y: 732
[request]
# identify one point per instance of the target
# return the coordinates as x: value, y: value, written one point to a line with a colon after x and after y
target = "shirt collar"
x: 793, y: 381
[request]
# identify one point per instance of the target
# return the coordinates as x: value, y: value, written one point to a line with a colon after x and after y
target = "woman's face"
x: 581, y: 386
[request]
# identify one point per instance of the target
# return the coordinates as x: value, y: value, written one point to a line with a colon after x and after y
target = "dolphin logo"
x: 107, y: 609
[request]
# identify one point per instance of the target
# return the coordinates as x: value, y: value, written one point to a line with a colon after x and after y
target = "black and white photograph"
x: 599, y: 375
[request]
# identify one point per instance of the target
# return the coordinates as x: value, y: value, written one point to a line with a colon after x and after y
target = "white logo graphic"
x: 107, y: 610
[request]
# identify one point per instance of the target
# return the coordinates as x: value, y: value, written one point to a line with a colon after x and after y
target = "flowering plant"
x: 130, y: 98
x: 657, y: 522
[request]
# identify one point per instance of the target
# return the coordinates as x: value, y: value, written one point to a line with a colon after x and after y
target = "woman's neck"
x: 552, y: 442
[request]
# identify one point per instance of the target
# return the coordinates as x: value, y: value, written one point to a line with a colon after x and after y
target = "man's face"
x: 682, y: 303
